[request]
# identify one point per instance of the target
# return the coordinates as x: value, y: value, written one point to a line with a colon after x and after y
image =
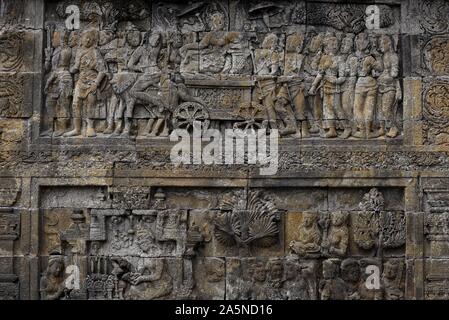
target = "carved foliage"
x: 246, y: 221
x: 11, y: 95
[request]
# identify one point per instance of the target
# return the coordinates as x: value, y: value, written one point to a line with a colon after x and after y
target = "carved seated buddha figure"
x: 309, y: 236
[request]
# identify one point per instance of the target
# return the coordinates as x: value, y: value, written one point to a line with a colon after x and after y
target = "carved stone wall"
x: 88, y: 190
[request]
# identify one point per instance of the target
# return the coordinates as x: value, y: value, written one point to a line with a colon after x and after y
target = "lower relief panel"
x: 216, y: 243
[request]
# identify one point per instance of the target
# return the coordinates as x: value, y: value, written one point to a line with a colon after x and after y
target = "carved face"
x: 133, y: 38
x: 270, y: 42
x: 315, y: 44
x: 88, y: 39
x: 347, y: 45
x: 331, y: 45
x: 154, y: 40
x: 56, y: 268
x: 338, y: 219
x: 259, y: 272
x: 361, y: 42
x: 294, y: 43
x: 308, y: 219
x: 276, y: 271
x: 217, y: 22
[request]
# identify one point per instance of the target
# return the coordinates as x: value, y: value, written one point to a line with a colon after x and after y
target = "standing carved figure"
x: 365, y: 89
x: 123, y: 80
x: 91, y: 70
x: 348, y: 86
x: 266, y: 65
x: 59, y: 85
x: 145, y: 60
x: 312, y: 58
x: 329, y: 78
x: 389, y: 88
x: 294, y: 76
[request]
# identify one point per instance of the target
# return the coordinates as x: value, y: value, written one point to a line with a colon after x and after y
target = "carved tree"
x: 251, y: 221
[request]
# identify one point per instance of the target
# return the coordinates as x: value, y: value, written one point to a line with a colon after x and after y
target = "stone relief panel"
x: 143, y: 71
x: 214, y: 243
x: 87, y: 183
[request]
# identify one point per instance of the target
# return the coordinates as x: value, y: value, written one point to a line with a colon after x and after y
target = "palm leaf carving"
x: 247, y: 222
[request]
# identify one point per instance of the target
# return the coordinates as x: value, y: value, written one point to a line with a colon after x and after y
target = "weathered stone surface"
x: 93, y: 206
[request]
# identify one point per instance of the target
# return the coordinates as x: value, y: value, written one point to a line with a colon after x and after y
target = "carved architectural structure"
x: 92, y: 206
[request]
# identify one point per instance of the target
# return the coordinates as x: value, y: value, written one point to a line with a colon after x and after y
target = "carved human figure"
x: 173, y: 93
x: 152, y: 281
x: 330, y: 76
x: 144, y: 60
x: 52, y: 284
x: 338, y: 235
x: 266, y: 61
x: 189, y: 53
x: 309, y: 236
x: 121, y: 271
x: 91, y: 70
x: 392, y: 283
x: 350, y: 273
x: 59, y: 85
x: 389, y: 88
x: 296, y: 285
x: 331, y: 286
x: 311, y: 62
x: 294, y: 74
x: 365, y: 89
x: 275, y: 281
x: 348, y: 86
x: 284, y: 111
x: 213, y: 47
x: 122, y: 80
x: 257, y: 289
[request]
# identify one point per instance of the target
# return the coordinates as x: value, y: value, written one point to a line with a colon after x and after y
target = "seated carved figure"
x: 338, y: 237
x: 309, y: 238
x: 52, y: 282
x: 151, y: 282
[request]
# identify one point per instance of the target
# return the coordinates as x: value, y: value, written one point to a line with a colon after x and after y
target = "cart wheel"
x: 189, y: 112
x: 249, y: 126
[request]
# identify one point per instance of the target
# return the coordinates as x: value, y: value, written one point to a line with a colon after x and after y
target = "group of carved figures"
x: 321, y: 83
x: 139, y: 254
x: 331, y: 279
